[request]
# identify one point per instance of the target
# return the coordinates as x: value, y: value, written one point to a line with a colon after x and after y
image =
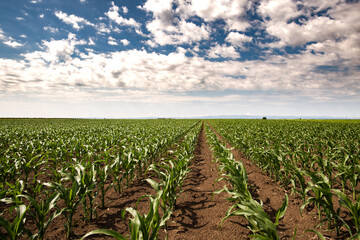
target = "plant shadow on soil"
x: 198, y: 212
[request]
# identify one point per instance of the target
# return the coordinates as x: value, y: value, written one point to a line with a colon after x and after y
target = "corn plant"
x: 141, y: 227
x: 13, y: 191
x: 320, y: 236
x: 172, y: 176
x: 28, y: 166
x: 34, y: 189
x: 103, y: 174
x: 325, y: 167
x: 286, y: 167
x: 72, y: 199
x: 354, y: 178
x: 259, y: 221
x: 117, y: 174
x: 322, y: 197
x: 235, y: 173
x: 56, y: 175
x: 345, y: 171
x: 129, y: 166
x: 40, y: 211
x: 7, y: 169
x: 353, y: 208
x: 17, y: 227
x: 86, y: 176
x: 148, y: 226
x: 123, y: 168
x: 298, y: 182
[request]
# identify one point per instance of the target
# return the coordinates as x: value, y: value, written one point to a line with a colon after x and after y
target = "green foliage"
x: 87, y: 157
x: 171, y: 177
x: 17, y: 227
x: 322, y: 197
x: 317, y: 233
x: 83, y: 158
x: 145, y: 226
x: 352, y: 207
x: 107, y: 232
x: 41, y: 212
x: 72, y: 198
x: 312, y: 157
x: 244, y: 205
x: 103, y: 174
x: 148, y: 226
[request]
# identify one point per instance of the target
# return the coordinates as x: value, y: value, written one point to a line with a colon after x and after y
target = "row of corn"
x: 319, y: 161
x: 79, y: 175
x: 244, y: 205
x: 171, y: 173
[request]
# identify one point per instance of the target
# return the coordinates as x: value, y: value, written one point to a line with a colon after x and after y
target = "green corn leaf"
x: 260, y: 237
x: 7, y: 226
x: 295, y: 231
x: 317, y: 233
x: 281, y: 212
x: 153, y: 184
x: 107, y: 232
x: 135, y: 223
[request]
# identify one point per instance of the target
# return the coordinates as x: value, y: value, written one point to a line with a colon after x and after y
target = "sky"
x: 179, y: 58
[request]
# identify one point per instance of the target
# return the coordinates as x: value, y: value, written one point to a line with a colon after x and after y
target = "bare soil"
x: 198, y: 212
x: 272, y: 195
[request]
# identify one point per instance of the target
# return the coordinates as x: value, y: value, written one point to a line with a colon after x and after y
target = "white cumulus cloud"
x: 223, y: 51
x: 55, y: 72
x: 231, y: 11
x: 112, y: 41
x: 13, y: 44
x: 9, y: 41
x: 237, y: 39
x: 166, y: 28
x: 51, y: 29
x: 124, y: 9
x: 91, y: 42
x: 172, y: 21
x: 114, y: 15
x: 76, y: 22
x: 56, y: 50
x: 125, y: 42
x: 342, y: 19
x: 279, y: 10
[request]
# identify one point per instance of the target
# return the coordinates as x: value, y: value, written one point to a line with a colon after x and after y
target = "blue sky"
x: 179, y: 58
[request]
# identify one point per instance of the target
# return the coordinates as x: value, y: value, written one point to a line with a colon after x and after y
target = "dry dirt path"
x: 198, y: 212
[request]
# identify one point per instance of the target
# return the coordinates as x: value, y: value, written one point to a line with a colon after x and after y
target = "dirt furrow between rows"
x: 272, y: 195
x: 111, y: 216
x: 198, y: 212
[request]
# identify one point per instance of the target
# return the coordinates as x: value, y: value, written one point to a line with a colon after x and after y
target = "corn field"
x: 55, y: 170
x: 317, y: 161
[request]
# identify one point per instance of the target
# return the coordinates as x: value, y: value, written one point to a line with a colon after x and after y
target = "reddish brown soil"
x: 272, y: 195
x: 198, y: 212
